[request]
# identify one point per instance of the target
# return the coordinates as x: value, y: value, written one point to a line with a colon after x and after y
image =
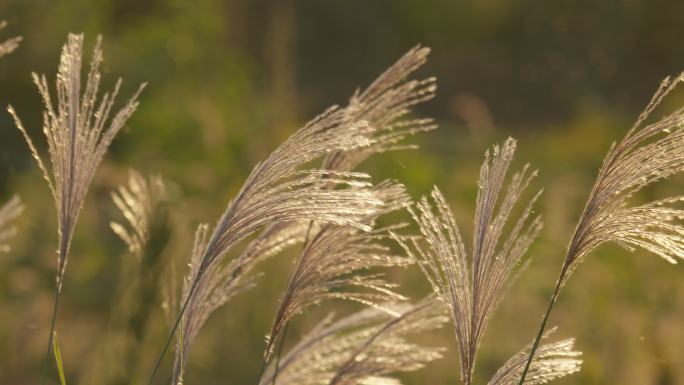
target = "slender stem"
x: 280, y: 351
x: 261, y: 372
x: 542, y: 327
x: 55, y: 306
x: 173, y: 330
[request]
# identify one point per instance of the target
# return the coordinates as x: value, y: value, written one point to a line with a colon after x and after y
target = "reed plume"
x: 8, y: 213
x: 221, y: 281
x: 210, y: 293
x: 374, y: 121
x: 335, y: 264
x: 146, y: 229
x: 472, y: 288
x: 9, y: 45
x: 137, y: 203
x: 364, y: 347
x: 385, y: 105
x: 553, y: 360
x: 386, y: 351
x: 648, y: 153
x: 78, y: 133
x: 276, y: 191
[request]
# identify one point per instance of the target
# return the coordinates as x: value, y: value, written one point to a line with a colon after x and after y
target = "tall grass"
x: 78, y: 133
x: 649, y: 152
x: 307, y: 192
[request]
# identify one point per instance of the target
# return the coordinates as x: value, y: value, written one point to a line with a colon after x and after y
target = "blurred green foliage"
x: 229, y: 80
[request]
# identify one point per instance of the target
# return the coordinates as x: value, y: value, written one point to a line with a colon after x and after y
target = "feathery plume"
x: 8, y: 213
x: 9, y: 45
x: 146, y: 229
x: 373, y: 124
x: 471, y: 289
x: 78, y: 132
x: 361, y: 348
x: 335, y: 262
x: 137, y: 202
x: 385, y: 105
x: 276, y: 192
x: 553, y: 360
x: 328, y: 344
x: 648, y: 153
x: 77, y: 135
x: 222, y: 283
x: 386, y: 351
x: 274, y: 239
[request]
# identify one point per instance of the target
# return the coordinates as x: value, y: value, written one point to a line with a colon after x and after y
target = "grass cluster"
x: 308, y: 196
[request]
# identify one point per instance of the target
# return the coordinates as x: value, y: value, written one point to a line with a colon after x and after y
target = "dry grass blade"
x: 336, y: 264
x: 9, y: 45
x: 78, y: 133
x: 553, y: 360
x: 472, y: 288
x: 137, y: 202
x: 8, y: 213
x: 363, y: 347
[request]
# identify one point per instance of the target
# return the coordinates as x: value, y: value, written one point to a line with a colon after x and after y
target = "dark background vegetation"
x: 229, y: 80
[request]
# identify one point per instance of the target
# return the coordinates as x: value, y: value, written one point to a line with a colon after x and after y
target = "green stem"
x: 173, y: 331
x: 542, y: 327
x: 55, y: 306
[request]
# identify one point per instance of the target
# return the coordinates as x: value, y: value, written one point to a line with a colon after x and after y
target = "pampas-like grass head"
x: 553, y: 360
x: 385, y: 105
x: 650, y: 152
x: 137, y: 202
x: 365, y: 347
x: 472, y: 287
x: 78, y: 132
x: 291, y: 204
x: 335, y: 264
